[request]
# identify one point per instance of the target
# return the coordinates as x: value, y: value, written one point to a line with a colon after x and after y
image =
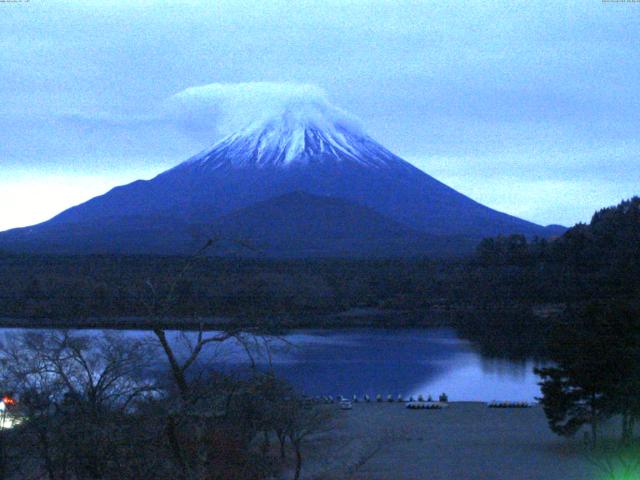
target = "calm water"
x: 372, y: 361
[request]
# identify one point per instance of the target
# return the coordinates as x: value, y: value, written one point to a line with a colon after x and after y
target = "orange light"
x: 8, y: 400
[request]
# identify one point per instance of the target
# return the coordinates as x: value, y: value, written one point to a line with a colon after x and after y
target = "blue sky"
x: 529, y: 107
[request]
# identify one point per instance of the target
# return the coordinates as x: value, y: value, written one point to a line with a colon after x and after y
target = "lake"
x: 425, y: 361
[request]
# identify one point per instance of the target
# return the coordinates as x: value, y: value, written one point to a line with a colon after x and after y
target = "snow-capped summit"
x: 302, y: 180
x: 299, y: 133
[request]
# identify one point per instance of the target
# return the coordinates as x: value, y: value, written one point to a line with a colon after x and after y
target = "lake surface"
x: 425, y: 361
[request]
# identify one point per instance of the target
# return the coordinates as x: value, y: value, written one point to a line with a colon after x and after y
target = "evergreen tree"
x: 597, y: 370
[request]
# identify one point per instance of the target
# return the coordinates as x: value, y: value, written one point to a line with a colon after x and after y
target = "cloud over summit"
x: 218, y: 109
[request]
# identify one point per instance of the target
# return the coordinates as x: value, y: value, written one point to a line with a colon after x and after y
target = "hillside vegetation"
x: 599, y: 260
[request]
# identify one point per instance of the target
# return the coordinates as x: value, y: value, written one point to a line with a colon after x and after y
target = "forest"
x: 506, y: 297
x: 595, y: 261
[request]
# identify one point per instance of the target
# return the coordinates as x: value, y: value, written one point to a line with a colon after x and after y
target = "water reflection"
x: 374, y: 361
x: 475, y: 378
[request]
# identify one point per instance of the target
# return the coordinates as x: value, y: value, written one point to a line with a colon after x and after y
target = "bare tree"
x: 302, y: 422
x: 73, y: 391
x: 94, y: 409
x: 194, y: 410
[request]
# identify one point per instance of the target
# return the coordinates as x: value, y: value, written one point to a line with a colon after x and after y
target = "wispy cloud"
x: 222, y: 108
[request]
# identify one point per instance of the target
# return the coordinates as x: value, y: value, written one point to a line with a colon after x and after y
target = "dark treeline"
x: 592, y: 273
x: 599, y: 260
x: 595, y: 261
x: 543, y: 283
x: 91, y: 286
x: 594, y: 344
x: 505, y: 297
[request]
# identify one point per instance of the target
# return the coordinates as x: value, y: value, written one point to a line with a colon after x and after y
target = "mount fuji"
x: 302, y: 181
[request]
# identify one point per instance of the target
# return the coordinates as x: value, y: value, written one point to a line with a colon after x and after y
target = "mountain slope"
x: 302, y: 225
x: 306, y: 148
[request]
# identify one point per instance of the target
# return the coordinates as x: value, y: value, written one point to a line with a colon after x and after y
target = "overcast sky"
x: 531, y: 108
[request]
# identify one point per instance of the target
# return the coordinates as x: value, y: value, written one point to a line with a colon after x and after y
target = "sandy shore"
x: 465, y: 441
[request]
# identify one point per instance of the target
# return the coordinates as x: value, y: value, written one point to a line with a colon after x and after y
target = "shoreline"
x: 355, y: 318
x: 467, y: 440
